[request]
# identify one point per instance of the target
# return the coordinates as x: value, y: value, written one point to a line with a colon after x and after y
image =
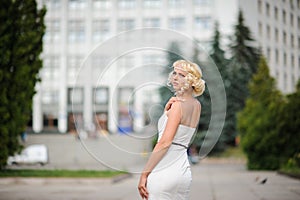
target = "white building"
x: 75, y: 27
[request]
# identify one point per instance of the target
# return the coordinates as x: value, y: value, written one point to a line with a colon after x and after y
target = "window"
x: 176, y: 3
x: 284, y: 59
x: 283, y: 16
x: 269, y: 53
x: 50, y: 97
x: 292, y: 40
x: 75, y: 96
x: 151, y: 22
x: 260, y: 31
x: 202, y: 2
x: 298, y: 23
x: 292, y: 4
x: 77, y: 4
x: 259, y: 6
x: 177, y: 23
x: 152, y: 3
x: 276, y: 35
x: 268, y: 32
x: 292, y: 61
x: 99, y: 63
x: 126, y: 4
x: 73, y: 65
x: 276, y: 13
x: 50, y: 70
x: 202, y: 23
x: 125, y: 24
x: 268, y: 9
x: 284, y: 38
x: 53, y: 4
x: 100, y: 30
x: 102, y: 4
x: 52, y: 33
x: 101, y: 95
x: 292, y: 20
x: 76, y: 31
x: 276, y: 55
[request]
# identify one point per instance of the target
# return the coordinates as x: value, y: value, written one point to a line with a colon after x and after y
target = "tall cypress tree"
x: 21, y: 31
x: 243, y: 64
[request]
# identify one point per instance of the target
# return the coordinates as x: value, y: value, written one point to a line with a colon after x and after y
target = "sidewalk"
x: 215, y: 181
x: 211, y: 181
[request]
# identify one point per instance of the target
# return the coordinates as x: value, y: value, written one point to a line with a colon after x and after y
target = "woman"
x: 167, y: 174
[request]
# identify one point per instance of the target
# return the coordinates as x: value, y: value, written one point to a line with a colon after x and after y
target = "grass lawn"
x: 59, y: 173
x: 231, y: 152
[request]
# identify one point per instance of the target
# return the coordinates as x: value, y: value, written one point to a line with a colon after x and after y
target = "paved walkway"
x: 211, y: 181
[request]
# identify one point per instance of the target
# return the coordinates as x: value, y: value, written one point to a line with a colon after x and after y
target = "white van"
x: 33, y: 154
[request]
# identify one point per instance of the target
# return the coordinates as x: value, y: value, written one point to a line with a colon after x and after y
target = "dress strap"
x: 175, y: 143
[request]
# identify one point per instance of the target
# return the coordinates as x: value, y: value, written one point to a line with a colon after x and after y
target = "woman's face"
x: 178, y: 78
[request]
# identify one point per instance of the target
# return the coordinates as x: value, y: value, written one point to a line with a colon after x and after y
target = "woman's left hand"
x: 143, y: 187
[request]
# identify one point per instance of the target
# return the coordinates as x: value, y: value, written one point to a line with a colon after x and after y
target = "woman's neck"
x: 185, y: 96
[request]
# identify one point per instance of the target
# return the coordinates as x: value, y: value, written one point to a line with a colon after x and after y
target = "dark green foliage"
x: 218, y: 56
x: 260, y: 120
x: 289, y: 131
x: 243, y: 64
x: 21, y: 31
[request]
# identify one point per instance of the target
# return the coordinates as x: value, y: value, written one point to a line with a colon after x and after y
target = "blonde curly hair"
x: 193, y: 77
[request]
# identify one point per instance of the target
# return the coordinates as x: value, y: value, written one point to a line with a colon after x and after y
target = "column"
x: 37, y: 116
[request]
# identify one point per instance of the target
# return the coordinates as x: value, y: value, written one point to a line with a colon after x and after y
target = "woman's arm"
x: 160, y: 149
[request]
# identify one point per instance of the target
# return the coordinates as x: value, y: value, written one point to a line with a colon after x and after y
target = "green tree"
x: 260, y: 120
x: 205, y: 104
x: 243, y: 64
x: 218, y: 56
x: 21, y: 31
x: 289, y: 131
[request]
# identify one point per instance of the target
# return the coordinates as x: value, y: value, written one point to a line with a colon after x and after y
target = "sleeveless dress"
x: 171, y: 178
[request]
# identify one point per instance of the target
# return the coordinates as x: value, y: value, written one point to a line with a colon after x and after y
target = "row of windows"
x: 287, y: 39
x: 76, y: 96
x: 101, y: 28
x: 279, y: 14
x: 122, y: 4
x: 51, y: 65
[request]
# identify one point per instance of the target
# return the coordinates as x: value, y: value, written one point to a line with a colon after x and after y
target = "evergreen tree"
x: 243, y: 64
x: 259, y: 121
x: 205, y: 105
x: 289, y: 131
x: 218, y: 56
x: 21, y: 31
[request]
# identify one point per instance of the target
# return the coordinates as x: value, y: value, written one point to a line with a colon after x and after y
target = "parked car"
x: 33, y: 154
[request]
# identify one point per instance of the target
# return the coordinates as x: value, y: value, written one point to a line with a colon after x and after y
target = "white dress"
x: 171, y: 178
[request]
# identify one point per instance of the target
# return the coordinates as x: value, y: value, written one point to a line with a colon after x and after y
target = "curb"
x: 292, y: 175
x: 47, y: 181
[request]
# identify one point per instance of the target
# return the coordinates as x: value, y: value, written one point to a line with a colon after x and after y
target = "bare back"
x: 191, y: 110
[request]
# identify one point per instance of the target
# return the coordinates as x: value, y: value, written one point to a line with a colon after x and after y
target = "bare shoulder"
x: 175, y: 109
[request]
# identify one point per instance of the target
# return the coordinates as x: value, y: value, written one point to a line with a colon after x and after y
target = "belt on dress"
x: 175, y: 143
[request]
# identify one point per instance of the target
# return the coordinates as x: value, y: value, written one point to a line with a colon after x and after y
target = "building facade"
x: 71, y: 89
x: 276, y: 28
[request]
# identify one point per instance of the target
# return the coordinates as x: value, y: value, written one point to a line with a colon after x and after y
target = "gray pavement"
x: 211, y: 181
